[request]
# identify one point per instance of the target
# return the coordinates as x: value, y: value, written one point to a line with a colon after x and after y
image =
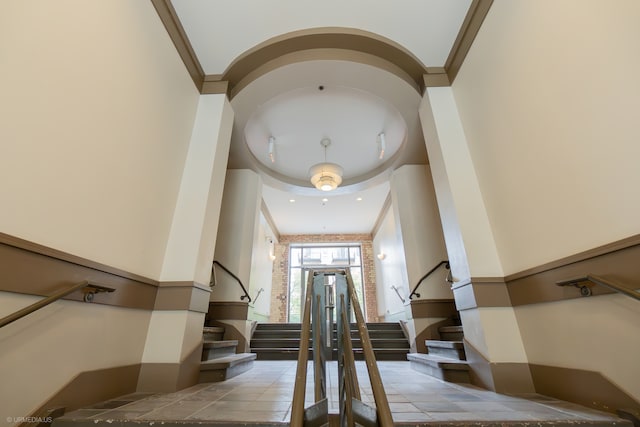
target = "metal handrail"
x: 585, y: 291
x: 395, y: 288
x: 53, y: 298
x: 299, y: 388
x: 446, y: 265
x: 379, y: 396
x: 213, y: 279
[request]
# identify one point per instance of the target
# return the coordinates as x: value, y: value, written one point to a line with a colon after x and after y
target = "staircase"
x: 219, y: 358
x: 445, y: 358
x: 281, y: 341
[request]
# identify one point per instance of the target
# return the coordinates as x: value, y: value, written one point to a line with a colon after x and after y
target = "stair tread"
x: 212, y: 329
x: 219, y: 343
x: 439, y: 361
x: 226, y: 361
x: 456, y: 328
x: 444, y: 344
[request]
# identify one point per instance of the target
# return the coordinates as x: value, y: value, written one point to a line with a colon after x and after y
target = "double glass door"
x: 305, y: 258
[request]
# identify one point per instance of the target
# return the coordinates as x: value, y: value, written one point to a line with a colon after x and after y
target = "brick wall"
x: 280, y: 286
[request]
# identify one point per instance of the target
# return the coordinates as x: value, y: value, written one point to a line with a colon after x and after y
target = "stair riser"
x: 453, y: 376
x: 216, y: 336
x: 214, y: 353
x: 212, y: 376
x: 452, y: 353
x: 451, y: 336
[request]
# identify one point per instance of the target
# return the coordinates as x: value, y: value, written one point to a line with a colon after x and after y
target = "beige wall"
x: 41, y: 353
x: 549, y: 100
x: 239, y: 221
x: 595, y: 334
x: 97, y: 110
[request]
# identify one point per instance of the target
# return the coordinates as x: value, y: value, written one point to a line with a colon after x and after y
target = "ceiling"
x: 354, y: 81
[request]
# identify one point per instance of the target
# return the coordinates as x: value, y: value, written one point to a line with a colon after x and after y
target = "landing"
x: 262, y: 396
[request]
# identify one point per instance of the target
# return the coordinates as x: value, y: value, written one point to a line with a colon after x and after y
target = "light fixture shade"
x: 326, y: 176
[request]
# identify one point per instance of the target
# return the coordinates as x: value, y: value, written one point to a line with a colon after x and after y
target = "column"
x: 492, y: 338
x: 237, y: 234
x: 171, y: 358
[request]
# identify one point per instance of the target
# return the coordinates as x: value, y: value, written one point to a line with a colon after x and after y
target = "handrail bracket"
x: 92, y: 289
x: 580, y: 283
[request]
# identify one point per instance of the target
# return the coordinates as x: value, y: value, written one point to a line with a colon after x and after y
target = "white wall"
x: 41, y: 353
x: 97, y: 110
x: 261, y: 271
x: 549, y: 98
x: 390, y: 271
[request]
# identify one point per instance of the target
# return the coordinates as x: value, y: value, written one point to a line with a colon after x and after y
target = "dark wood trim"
x: 586, y: 388
x: 91, y: 387
x: 468, y: 32
x: 430, y: 308
x: 16, y: 242
x: 500, y: 377
x: 228, y: 310
x: 267, y: 216
x: 33, y: 269
x: 481, y: 292
x: 345, y: 39
x: 170, y: 377
x: 617, y: 261
x: 182, y: 296
x: 383, y: 213
x: 176, y: 32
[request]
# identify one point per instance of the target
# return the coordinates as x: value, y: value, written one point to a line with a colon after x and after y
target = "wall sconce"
x: 272, y: 256
x: 381, y: 256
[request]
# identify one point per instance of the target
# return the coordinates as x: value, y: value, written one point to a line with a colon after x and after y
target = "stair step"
x: 444, y: 368
x: 451, y: 333
x: 223, y: 368
x: 219, y: 344
x: 444, y: 344
x: 212, y: 350
x: 213, y: 332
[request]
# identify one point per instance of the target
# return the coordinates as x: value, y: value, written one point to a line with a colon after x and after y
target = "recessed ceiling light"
x: 359, y: 199
x: 325, y: 200
x: 292, y: 200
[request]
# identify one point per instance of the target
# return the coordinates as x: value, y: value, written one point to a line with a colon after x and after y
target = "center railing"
x: 318, y: 320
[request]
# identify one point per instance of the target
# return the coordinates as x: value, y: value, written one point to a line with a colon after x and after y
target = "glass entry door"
x: 304, y: 258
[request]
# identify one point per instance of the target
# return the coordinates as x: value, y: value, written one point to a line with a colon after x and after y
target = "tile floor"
x: 263, y: 396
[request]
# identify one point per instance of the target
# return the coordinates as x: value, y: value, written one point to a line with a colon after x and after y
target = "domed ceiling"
x: 300, y: 73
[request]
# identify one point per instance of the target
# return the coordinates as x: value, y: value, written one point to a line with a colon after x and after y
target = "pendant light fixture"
x: 326, y: 176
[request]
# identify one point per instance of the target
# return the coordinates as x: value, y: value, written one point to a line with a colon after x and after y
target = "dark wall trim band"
x: 586, y: 388
x: 172, y: 24
x: 92, y: 387
x: 468, y: 32
x: 32, y: 269
x: 617, y: 261
x: 432, y: 308
x: 182, y: 296
x: 228, y: 310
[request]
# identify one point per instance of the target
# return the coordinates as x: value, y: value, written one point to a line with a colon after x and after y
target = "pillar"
x: 492, y: 337
x: 416, y: 214
x: 238, y: 230
x: 171, y: 357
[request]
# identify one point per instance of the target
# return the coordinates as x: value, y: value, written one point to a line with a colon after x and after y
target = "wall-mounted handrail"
x: 598, y: 280
x: 92, y: 289
x: 395, y: 288
x: 213, y: 279
x: 446, y: 265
